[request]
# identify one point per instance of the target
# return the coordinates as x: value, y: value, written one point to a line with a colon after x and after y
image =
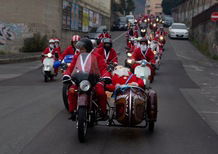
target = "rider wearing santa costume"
x: 105, y: 34
x: 123, y: 76
x: 71, y: 50
x: 108, y: 52
x: 85, y: 46
x: 144, y: 52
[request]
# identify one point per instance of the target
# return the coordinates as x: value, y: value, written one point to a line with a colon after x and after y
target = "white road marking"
x: 118, y: 37
x: 197, y: 68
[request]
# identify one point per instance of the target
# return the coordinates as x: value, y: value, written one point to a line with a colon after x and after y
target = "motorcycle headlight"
x: 129, y: 61
x: 149, y: 42
x: 154, y: 25
x: 143, y: 30
x: 161, y: 38
x: 129, y: 54
x: 85, y: 85
x: 49, y: 55
x: 145, y: 20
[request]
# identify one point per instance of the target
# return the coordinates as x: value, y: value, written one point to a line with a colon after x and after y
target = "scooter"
x: 48, y: 67
x: 144, y: 72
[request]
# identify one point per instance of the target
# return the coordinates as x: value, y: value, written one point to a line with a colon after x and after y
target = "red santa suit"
x: 52, y: 51
x: 148, y: 55
x: 136, y: 35
x: 132, y: 49
x: 121, y: 79
x: 104, y: 35
x: 68, y: 51
x: 99, y: 88
x: 111, y: 56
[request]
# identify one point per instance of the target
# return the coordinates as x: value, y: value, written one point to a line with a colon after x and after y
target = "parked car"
x: 122, y: 24
x: 96, y: 31
x: 178, y: 30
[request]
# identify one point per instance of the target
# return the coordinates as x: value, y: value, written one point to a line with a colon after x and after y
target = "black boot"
x: 73, y: 116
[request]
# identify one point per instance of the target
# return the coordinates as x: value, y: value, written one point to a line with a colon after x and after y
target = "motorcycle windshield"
x: 86, y: 68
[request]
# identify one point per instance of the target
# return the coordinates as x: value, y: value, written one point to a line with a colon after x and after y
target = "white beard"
x: 121, y: 72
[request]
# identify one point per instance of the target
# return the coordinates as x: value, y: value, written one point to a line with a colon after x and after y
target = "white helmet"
x: 51, y: 41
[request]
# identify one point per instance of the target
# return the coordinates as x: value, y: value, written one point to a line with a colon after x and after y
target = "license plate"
x: 47, y: 68
x: 179, y: 35
x: 82, y: 100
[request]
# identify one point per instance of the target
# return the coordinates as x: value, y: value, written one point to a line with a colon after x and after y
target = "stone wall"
x: 206, y: 34
x: 205, y: 31
x: 20, y: 19
x: 196, y: 14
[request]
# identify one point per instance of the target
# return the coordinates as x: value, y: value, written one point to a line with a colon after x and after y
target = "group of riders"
x: 145, y: 40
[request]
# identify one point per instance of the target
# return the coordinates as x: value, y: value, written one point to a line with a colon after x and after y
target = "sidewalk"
x: 19, y: 57
x: 204, y: 72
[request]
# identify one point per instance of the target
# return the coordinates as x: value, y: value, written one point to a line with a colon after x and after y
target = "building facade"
x: 153, y: 7
x: 54, y: 18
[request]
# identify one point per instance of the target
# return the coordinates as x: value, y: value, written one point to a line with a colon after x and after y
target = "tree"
x: 130, y: 6
x: 126, y: 6
x: 168, y: 5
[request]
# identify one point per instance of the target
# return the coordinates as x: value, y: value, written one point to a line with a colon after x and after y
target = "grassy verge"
x: 203, y: 48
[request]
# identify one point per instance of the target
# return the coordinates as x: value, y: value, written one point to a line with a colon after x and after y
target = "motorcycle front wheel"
x: 65, y: 90
x: 82, y: 124
x: 46, y: 78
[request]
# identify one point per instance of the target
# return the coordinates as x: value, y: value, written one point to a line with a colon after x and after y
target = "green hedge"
x: 35, y: 44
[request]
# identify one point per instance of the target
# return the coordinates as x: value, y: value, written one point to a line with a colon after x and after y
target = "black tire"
x: 92, y: 120
x: 65, y: 95
x: 45, y: 78
x: 82, y: 124
x: 151, y: 126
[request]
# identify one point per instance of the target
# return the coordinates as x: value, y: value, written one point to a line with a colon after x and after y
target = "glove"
x: 66, y: 78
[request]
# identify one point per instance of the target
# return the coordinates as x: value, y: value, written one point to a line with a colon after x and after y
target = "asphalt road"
x: 33, y: 119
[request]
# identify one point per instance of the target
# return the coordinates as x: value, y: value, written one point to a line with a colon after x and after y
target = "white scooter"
x: 142, y: 71
x: 48, y: 67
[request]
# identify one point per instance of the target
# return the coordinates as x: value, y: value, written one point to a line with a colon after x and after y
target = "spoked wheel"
x: 65, y: 90
x: 151, y: 126
x: 92, y: 120
x: 82, y: 123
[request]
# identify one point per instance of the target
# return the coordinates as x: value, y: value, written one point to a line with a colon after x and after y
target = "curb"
x: 19, y: 60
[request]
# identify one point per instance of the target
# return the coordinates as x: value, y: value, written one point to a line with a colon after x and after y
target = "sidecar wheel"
x: 82, y: 124
x: 151, y: 126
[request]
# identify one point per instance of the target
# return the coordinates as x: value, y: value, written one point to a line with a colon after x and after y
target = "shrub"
x: 35, y: 43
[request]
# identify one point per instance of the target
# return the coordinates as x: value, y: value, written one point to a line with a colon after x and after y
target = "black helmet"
x: 85, y: 43
x: 104, y: 30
